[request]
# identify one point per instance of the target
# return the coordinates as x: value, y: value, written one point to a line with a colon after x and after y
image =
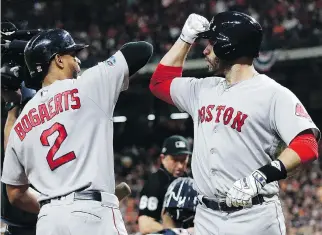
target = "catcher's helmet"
x: 180, y: 201
x: 234, y: 34
x: 42, y: 48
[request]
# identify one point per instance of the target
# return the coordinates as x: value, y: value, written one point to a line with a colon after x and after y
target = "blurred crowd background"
x: 107, y: 25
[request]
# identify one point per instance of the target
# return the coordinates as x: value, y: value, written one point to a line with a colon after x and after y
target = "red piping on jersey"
x: 306, y: 146
x: 115, y: 222
x: 161, y: 81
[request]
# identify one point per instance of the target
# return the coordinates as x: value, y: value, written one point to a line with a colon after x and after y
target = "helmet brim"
x: 180, y: 153
x: 76, y: 48
x: 206, y: 34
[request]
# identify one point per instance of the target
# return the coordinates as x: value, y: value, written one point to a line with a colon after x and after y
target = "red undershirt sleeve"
x: 306, y: 146
x: 161, y: 80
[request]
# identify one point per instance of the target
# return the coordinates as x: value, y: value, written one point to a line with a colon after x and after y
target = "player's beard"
x: 75, y: 73
x: 77, y: 70
x: 216, y: 66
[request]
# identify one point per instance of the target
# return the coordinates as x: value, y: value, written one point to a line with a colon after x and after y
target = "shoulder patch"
x: 111, y: 61
x: 301, y: 112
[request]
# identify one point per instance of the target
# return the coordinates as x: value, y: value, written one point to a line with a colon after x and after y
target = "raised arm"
x: 103, y: 82
x: 171, y: 64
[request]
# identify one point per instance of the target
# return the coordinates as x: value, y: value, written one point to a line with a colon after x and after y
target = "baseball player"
x: 62, y: 142
x: 239, y: 121
x: 174, y: 157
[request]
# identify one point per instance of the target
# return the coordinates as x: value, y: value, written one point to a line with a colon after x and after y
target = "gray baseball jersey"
x: 63, y: 139
x: 238, y: 128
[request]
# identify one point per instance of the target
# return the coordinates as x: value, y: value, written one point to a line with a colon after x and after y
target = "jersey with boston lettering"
x: 237, y: 129
x: 63, y: 139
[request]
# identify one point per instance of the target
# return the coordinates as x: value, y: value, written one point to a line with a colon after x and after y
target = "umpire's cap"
x: 234, y: 34
x: 176, y: 145
x: 42, y: 48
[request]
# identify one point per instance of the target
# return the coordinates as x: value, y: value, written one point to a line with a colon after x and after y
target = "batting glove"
x: 245, y: 189
x: 193, y: 25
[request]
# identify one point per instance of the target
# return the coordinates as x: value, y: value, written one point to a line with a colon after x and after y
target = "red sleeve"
x: 306, y: 146
x: 161, y: 81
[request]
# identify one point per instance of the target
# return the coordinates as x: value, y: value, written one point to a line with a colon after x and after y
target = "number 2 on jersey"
x: 62, y: 134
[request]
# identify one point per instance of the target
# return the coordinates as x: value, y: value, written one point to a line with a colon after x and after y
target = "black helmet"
x: 42, y: 48
x: 234, y: 34
x: 180, y: 201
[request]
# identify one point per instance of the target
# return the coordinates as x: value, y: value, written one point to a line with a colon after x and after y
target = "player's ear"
x: 59, y: 61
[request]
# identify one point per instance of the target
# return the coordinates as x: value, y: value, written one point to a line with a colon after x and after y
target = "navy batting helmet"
x: 234, y: 34
x: 42, y: 48
x: 180, y: 201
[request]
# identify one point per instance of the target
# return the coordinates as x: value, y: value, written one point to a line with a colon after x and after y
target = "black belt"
x: 84, y: 195
x: 222, y: 206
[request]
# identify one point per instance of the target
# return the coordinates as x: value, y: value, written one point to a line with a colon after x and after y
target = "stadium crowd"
x: 106, y: 25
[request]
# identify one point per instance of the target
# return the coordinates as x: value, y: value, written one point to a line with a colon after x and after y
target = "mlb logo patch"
x: 259, y: 177
x: 180, y: 144
x: 301, y: 112
x: 111, y: 61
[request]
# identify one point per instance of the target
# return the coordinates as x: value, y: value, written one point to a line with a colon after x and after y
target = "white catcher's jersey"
x: 237, y: 129
x: 63, y: 139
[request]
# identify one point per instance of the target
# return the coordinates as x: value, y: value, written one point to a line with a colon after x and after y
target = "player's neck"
x: 52, y: 77
x: 240, y: 72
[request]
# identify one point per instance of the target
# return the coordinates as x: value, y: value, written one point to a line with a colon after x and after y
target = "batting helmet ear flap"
x: 35, y: 82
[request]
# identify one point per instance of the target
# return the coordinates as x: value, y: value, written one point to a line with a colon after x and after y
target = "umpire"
x: 174, y: 158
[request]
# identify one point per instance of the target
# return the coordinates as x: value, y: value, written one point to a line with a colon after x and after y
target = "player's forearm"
x: 177, y: 54
x: 25, y: 200
x: 148, y: 225
x: 11, y: 118
x: 28, y: 202
x: 169, y: 68
x: 290, y: 160
x: 302, y: 150
x: 167, y: 221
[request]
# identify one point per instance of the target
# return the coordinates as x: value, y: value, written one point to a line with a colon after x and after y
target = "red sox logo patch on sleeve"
x: 301, y: 112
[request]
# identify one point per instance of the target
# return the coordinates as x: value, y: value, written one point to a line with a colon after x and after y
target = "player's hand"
x: 245, y: 189
x: 193, y: 25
